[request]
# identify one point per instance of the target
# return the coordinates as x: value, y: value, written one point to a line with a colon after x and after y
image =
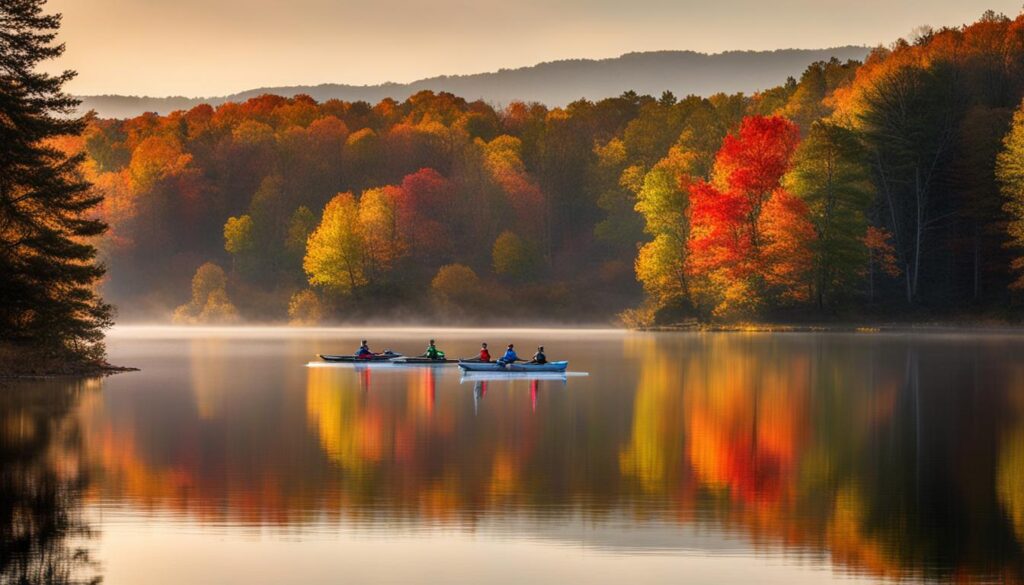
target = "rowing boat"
x: 377, y: 357
x: 496, y: 367
x: 421, y: 361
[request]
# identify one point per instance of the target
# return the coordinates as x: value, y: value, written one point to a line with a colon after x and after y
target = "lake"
x: 696, y: 457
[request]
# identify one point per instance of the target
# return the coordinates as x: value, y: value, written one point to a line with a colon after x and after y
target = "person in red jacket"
x: 485, y: 356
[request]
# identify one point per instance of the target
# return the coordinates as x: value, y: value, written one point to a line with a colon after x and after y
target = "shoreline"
x: 868, y: 327
x: 85, y: 373
x: 39, y: 371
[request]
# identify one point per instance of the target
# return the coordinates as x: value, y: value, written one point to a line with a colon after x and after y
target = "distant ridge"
x: 554, y: 83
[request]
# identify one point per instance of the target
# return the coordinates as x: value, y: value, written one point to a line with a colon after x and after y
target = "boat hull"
x: 358, y: 360
x: 420, y: 361
x: 518, y: 368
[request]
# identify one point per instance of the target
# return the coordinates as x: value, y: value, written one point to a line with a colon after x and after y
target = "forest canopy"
x: 872, y: 188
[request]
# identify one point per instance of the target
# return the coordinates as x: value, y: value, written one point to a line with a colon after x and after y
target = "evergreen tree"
x: 47, y: 265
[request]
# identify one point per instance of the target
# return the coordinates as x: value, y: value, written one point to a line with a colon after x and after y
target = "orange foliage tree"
x: 749, y: 238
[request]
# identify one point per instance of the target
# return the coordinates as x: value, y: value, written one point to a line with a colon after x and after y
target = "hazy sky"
x: 215, y: 47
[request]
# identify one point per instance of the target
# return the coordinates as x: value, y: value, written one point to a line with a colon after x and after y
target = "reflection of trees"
x: 1010, y: 479
x: 393, y: 447
x: 927, y: 478
x: 656, y: 445
x: 879, y: 453
x: 42, y: 533
x: 1010, y: 474
x: 351, y: 439
x: 746, y: 419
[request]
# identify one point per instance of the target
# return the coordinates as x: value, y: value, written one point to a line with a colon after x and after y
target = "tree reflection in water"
x: 893, y: 457
x: 43, y: 535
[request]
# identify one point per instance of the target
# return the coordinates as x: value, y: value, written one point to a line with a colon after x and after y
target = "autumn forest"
x: 889, y: 188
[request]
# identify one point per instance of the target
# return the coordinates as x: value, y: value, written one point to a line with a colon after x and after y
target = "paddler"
x: 539, y: 357
x: 364, y: 352
x: 510, y: 356
x: 485, y: 356
x: 432, y: 352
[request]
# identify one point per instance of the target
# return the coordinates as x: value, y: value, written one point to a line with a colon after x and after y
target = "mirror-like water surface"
x: 706, y: 457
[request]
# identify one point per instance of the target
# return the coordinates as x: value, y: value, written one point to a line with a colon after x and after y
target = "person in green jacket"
x: 433, y: 353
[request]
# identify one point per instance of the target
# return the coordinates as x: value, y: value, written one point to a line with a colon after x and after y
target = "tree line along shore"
x: 888, y: 188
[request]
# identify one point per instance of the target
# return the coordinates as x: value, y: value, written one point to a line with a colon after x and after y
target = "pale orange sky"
x: 215, y: 47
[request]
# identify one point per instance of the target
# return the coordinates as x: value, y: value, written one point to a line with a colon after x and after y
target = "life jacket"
x: 485, y: 356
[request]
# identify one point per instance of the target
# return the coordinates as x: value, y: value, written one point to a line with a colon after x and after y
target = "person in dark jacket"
x: 539, y: 357
x: 364, y: 351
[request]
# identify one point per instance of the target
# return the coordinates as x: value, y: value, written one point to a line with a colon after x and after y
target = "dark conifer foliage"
x: 47, y: 264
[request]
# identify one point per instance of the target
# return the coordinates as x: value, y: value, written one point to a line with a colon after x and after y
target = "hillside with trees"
x: 553, y: 83
x: 891, y: 187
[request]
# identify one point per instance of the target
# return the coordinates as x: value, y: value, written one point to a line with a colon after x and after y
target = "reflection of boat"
x: 379, y: 357
x: 475, y: 377
x: 496, y: 367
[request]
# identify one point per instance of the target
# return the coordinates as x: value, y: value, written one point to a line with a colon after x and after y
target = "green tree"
x: 48, y: 266
x: 336, y: 253
x: 830, y: 173
x: 1010, y: 172
x: 515, y: 257
x: 663, y: 200
x: 238, y: 235
x: 300, y: 226
x: 269, y: 212
x: 611, y: 179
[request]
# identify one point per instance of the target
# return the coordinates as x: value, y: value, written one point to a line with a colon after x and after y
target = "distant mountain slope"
x: 554, y: 83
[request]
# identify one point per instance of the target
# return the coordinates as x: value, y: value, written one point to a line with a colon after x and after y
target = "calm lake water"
x: 704, y: 458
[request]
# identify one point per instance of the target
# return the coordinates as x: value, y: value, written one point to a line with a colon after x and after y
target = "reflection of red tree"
x: 747, y: 423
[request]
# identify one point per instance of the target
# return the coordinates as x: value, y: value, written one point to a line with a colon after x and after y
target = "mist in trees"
x: 884, y: 187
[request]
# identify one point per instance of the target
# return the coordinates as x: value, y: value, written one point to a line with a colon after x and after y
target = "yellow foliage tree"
x: 238, y: 235
x: 336, y: 253
x: 305, y: 308
x: 210, y: 302
x: 457, y: 287
x: 378, y: 222
x: 1010, y: 172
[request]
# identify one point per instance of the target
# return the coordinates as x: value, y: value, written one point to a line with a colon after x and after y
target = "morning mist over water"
x: 779, y: 457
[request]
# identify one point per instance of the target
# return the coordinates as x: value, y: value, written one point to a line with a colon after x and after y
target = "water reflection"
x: 890, y: 457
x: 43, y: 536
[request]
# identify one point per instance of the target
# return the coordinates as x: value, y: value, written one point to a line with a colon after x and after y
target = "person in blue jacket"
x: 509, y: 357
